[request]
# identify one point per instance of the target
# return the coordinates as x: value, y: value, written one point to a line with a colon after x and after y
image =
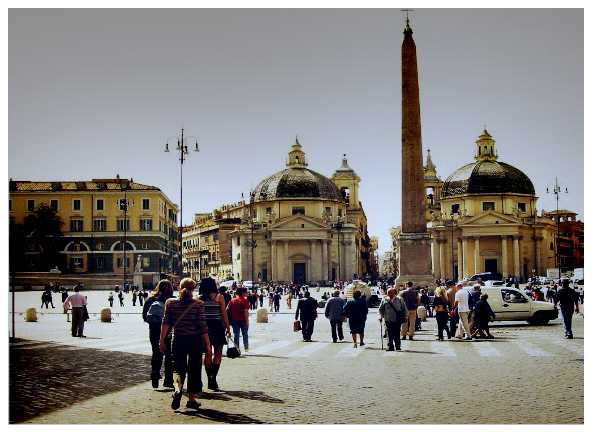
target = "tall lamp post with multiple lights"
x: 556, y: 190
x: 251, y: 243
x: 182, y: 149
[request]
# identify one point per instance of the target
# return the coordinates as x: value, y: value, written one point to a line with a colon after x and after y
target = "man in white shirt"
x: 462, y: 305
x: 77, y: 302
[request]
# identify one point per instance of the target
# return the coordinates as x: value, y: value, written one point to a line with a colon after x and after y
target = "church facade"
x: 302, y: 226
x: 483, y: 218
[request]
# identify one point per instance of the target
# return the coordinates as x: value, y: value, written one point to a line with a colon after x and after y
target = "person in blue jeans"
x: 568, y: 299
x: 238, y: 308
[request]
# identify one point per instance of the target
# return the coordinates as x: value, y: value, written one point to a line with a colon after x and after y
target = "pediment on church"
x: 491, y: 218
x: 298, y: 222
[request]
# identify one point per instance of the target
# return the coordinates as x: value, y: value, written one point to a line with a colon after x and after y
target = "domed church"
x: 483, y: 218
x: 302, y: 226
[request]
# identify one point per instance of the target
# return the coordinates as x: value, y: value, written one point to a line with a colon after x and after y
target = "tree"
x: 43, y: 228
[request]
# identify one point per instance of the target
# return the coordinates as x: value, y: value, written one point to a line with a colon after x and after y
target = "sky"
x: 97, y: 92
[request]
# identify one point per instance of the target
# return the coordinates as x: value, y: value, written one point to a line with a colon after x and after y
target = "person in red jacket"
x: 238, y: 309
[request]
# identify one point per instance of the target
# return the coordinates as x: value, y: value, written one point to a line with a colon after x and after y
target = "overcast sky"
x: 95, y: 93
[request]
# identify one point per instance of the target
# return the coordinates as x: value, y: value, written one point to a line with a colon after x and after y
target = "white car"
x: 494, y: 283
x: 510, y: 304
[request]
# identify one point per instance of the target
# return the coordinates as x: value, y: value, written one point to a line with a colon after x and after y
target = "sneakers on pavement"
x: 176, y: 398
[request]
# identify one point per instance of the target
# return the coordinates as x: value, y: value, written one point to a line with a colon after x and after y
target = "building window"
x: 488, y: 206
x: 146, y: 204
x: 99, y: 225
x: 298, y: 211
x: 238, y: 241
x: 328, y: 211
x: 269, y: 210
x: 99, y: 246
x: 238, y: 256
x: 522, y: 207
x: 76, y: 225
x: 100, y: 263
x: 30, y: 205
x: 99, y: 204
x: 120, y: 262
x: 146, y: 262
x: 454, y: 209
x: 76, y: 262
x: 76, y: 205
x: 123, y: 204
x: 146, y: 224
x: 123, y: 224
x: 54, y: 205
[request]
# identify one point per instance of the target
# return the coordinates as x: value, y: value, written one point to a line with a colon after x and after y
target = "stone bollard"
x: 262, y: 315
x: 106, y: 315
x: 31, y: 315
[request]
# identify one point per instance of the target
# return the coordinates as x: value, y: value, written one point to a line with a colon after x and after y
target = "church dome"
x: 296, y: 181
x: 487, y: 175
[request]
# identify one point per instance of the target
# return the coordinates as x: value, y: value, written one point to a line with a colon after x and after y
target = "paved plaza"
x: 526, y: 375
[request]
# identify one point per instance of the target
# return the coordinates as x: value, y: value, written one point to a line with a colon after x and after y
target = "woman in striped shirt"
x: 218, y: 324
x: 190, y: 340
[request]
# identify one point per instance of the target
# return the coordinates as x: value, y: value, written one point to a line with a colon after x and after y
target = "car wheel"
x: 538, y: 319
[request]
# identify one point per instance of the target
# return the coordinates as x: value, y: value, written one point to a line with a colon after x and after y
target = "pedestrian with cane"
x: 393, y: 311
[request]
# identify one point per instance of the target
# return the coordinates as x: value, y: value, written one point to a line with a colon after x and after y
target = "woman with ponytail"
x: 218, y: 325
x: 190, y: 340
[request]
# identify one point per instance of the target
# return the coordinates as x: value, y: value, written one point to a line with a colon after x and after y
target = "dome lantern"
x: 296, y: 157
x: 486, y: 147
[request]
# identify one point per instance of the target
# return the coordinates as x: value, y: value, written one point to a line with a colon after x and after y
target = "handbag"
x: 85, y: 313
x: 232, y: 350
x: 297, y: 326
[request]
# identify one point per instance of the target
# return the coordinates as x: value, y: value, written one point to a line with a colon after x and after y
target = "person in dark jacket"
x: 162, y: 292
x: 568, y: 299
x: 306, y: 313
x: 356, y: 310
x: 482, y: 315
x: 334, y: 313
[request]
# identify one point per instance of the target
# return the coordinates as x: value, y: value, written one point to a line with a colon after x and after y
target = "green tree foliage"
x: 43, y: 228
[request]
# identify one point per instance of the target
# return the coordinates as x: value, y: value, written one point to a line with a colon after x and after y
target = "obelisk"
x: 414, y: 241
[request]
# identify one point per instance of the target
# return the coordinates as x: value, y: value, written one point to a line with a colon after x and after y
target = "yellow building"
x: 99, y: 230
x: 301, y: 226
x: 483, y: 218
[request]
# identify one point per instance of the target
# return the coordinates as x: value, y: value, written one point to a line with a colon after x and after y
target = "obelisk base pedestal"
x: 415, y: 262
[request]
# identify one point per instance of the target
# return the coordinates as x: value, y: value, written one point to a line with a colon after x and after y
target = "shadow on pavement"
x: 221, y: 416
x: 253, y: 395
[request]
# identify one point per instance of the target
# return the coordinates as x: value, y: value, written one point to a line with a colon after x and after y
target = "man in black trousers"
x: 568, y: 299
x: 306, y: 313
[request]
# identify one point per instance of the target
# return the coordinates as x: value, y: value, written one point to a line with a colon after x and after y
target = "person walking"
x: 77, y: 303
x: 334, y: 313
x: 238, y: 308
x: 482, y: 315
x: 110, y: 299
x: 462, y: 306
x: 153, y: 312
x: 453, y: 316
x: 226, y: 296
x: 218, y: 325
x: 441, y: 309
x: 277, y: 301
x: 64, y: 294
x: 44, y: 300
x: 306, y: 313
x: 134, y: 295
x: 190, y: 340
x: 260, y: 298
x: 121, y: 298
x: 356, y: 310
x: 289, y: 299
x: 141, y: 297
x: 393, y: 311
x: 568, y: 299
x: 411, y: 299
x: 424, y: 300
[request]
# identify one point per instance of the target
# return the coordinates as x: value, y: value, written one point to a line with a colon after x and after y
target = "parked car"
x: 511, y: 304
x: 485, y: 276
x: 494, y: 283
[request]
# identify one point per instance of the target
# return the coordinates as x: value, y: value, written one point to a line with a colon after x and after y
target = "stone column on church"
x: 274, y: 272
x: 459, y: 259
x: 443, y: 260
x: 516, y: 256
x: 310, y: 262
x: 505, y: 270
x: 477, y: 259
x: 465, y: 244
x: 286, y: 266
x: 324, y: 253
x: 538, y: 255
x: 436, y: 259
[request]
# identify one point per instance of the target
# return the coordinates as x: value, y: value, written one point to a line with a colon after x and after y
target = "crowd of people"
x: 191, y: 328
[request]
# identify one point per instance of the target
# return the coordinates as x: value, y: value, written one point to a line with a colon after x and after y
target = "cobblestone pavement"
x: 527, y: 375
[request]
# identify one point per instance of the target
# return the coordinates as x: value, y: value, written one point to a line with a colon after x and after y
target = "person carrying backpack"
x: 153, y: 315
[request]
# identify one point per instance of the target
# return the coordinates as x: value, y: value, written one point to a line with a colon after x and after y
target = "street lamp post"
x: 123, y: 206
x: 557, y: 189
x: 182, y: 149
x: 251, y: 243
